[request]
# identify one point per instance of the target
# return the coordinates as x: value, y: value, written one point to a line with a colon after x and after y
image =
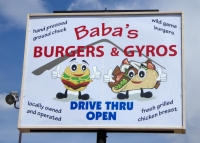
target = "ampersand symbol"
x: 114, y: 52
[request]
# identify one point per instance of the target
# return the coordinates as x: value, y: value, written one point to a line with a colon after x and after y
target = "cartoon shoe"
x: 123, y: 96
x: 83, y: 97
x: 61, y: 95
x: 146, y: 94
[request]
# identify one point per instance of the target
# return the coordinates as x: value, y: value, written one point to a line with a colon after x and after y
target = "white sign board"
x: 111, y: 71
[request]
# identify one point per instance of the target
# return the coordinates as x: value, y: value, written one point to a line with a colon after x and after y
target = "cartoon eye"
x: 83, y: 67
x: 73, y: 67
x: 142, y: 73
x: 131, y: 73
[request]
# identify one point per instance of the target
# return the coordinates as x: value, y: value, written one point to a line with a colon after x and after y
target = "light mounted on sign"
x: 12, y: 98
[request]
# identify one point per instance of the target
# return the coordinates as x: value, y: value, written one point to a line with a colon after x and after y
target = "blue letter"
x: 107, y: 105
x: 81, y: 105
x: 112, y: 115
x: 114, y: 105
x: 105, y: 115
x: 92, y: 105
x: 130, y: 107
x: 74, y: 105
x: 122, y: 106
x: 88, y: 115
x: 98, y: 105
x: 98, y: 115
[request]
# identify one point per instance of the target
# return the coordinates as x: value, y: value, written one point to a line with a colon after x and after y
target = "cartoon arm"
x: 108, y: 77
x: 161, y: 76
x: 96, y: 73
x: 56, y: 73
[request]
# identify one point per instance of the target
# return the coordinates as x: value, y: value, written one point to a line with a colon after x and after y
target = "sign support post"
x: 20, y: 137
x: 101, y: 136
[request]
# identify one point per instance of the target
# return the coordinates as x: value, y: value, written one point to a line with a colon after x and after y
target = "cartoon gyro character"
x: 75, y: 78
x: 132, y: 75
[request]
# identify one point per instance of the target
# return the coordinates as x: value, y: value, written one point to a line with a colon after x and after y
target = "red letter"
x: 158, y: 52
x: 107, y: 28
x: 140, y: 50
x: 80, y: 50
x: 80, y: 29
x: 37, y: 51
x: 100, y: 51
x: 72, y: 53
x: 129, y: 53
x: 171, y: 49
x: 118, y: 32
x: 95, y: 32
x: 59, y: 50
x: 132, y: 34
x: 45, y: 51
x: 150, y: 49
x: 90, y: 49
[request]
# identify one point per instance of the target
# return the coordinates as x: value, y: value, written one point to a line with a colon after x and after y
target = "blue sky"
x: 13, y: 16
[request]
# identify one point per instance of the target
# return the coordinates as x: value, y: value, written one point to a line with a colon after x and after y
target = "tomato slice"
x: 151, y: 66
x: 119, y: 76
x: 74, y: 86
x: 125, y: 61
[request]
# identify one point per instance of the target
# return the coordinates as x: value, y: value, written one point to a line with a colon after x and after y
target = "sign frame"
x: 83, y: 128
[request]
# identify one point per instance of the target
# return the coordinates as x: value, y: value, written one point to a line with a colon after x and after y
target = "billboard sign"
x: 111, y: 71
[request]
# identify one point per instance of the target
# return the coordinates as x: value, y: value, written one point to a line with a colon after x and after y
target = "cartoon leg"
x: 122, y: 95
x: 83, y: 97
x: 61, y: 95
x: 146, y: 94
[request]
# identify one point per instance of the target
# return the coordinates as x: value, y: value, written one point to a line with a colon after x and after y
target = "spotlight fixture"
x: 12, y: 98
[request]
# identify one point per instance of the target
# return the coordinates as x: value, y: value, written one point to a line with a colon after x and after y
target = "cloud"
x: 109, y: 4
x: 15, y: 12
x: 85, y: 4
x: 3, y: 104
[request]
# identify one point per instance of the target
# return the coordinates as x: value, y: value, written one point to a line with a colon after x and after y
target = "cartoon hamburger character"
x: 76, y: 78
x: 132, y: 75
